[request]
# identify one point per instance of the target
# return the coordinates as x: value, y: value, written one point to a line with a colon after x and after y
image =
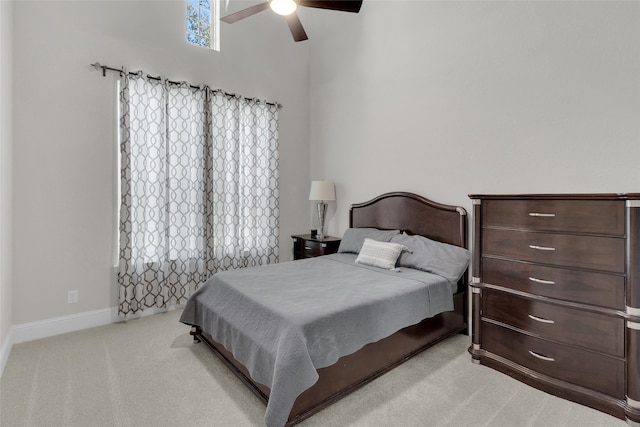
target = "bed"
x: 314, y: 341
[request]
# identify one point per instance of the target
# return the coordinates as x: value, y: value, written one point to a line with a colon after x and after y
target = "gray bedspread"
x: 283, y: 321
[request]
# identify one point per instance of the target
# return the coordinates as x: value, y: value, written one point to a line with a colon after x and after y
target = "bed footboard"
x: 358, y: 369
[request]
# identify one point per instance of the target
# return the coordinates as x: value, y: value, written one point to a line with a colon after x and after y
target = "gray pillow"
x: 353, y: 238
x: 445, y: 260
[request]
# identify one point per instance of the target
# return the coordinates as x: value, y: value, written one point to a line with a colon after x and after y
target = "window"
x: 203, y: 23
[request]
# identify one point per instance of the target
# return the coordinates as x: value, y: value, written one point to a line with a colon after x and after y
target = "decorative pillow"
x: 353, y: 238
x: 380, y: 254
x: 445, y: 260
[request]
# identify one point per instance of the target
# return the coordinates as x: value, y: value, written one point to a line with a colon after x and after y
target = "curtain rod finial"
x: 98, y: 66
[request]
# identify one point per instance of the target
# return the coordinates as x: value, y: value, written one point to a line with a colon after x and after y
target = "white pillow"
x: 380, y: 254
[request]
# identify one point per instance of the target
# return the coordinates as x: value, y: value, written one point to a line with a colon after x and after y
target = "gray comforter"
x: 283, y: 321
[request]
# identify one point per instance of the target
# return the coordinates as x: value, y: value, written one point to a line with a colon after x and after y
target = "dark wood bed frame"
x: 399, y: 210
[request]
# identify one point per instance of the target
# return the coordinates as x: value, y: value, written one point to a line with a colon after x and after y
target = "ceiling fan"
x: 287, y: 8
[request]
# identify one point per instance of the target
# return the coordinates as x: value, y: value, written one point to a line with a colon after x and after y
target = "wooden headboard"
x: 414, y: 214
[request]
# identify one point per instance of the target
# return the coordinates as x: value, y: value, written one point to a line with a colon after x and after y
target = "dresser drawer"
x: 584, y: 368
x: 306, y: 246
x: 598, y: 253
x: 571, y: 326
x: 572, y: 216
x: 312, y: 249
x: 601, y: 289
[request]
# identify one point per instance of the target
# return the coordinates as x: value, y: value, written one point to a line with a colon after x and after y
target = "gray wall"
x: 450, y: 98
x: 6, y: 147
x: 440, y: 98
x: 64, y: 124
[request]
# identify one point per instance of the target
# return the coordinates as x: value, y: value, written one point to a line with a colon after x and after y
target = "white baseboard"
x: 54, y: 326
x: 62, y: 325
x: 5, y: 350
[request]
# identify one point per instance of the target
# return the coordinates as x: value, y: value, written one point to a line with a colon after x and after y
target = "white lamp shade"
x: 322, y: 190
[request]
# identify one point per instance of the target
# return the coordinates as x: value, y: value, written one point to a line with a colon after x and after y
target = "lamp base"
x: 322, y: 211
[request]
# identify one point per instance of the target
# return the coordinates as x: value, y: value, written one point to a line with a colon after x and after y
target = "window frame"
x: 214, y: 23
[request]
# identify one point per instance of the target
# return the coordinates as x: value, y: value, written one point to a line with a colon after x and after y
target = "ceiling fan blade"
x: 297, y: 31
x: 245, y: 13
x: 341, y: 5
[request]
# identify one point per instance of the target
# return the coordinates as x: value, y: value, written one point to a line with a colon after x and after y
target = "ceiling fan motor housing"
x: 288, y: 9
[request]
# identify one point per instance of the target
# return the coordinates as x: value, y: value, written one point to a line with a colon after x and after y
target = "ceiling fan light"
x: 283, y: 7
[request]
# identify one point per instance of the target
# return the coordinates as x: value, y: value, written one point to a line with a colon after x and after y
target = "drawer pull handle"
x: 539, y: 356
x: 540, y: 319
x: 307, y: 248
x: 544, y: 282
x: 542, y: 248
x: 542, y: 215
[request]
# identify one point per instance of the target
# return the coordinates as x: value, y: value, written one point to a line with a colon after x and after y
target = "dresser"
x: 556, y: 295
x: 305, y: 246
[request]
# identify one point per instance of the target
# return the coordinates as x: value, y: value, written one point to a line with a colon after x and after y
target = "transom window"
x: 203, y: 27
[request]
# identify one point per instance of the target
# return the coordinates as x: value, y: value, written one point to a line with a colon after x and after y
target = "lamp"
x: 321, y: 191
x: 283, y: 7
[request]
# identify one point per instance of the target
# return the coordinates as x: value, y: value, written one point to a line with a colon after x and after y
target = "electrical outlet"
x: 72, y: 297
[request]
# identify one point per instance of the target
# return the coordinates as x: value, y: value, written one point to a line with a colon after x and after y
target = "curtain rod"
x: 106, y: 68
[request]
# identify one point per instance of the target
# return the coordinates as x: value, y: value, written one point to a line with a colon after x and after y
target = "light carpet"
x: 148, y: 372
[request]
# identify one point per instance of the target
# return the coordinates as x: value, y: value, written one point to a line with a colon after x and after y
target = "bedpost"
x: 195, y: 333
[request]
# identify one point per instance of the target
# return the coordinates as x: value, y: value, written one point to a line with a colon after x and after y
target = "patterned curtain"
x: 199, y: 189
x: 245, y: 181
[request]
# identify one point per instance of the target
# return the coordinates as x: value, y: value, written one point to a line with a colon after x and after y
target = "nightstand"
x: 305, y: 246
